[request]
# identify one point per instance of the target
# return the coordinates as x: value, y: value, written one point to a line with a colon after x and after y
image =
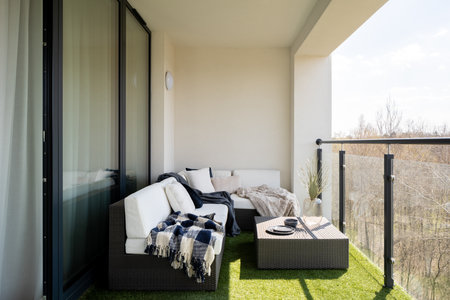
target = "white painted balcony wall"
x: 242, y: 101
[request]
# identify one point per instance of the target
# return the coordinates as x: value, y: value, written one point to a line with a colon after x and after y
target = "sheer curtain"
x: 20, y: 149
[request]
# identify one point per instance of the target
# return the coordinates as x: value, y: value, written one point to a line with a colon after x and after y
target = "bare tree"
x: 364, y: 129
x: 389, y: 120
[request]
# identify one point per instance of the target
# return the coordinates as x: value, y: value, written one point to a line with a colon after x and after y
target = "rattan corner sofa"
x: 131, y: 220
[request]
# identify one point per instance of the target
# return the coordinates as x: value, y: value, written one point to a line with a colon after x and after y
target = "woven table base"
x: 322, y: 247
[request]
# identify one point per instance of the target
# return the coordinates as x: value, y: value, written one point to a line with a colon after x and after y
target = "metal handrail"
x: 411, y: 141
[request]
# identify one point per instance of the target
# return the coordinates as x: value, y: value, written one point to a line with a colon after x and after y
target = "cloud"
x: 441, y: 32
x: 409, y: 63
x: 407, y: 55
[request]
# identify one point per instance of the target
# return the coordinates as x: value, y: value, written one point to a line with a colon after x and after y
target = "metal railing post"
x: 342, y: 191
x: 319, y: 167
x: 388, y: 220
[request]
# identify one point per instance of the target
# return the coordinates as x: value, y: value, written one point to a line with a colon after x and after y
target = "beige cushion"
x: 179, y: 198
x: 200, y: 180
x: 228, y: 184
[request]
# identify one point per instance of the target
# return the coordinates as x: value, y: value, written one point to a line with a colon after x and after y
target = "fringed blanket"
x: 188, y: 242
x: 271, y: 202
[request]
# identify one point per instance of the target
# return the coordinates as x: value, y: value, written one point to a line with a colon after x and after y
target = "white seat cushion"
x: 242, y: 203
x: 138, y: 245
x: 144, y: 209
x: 179, y: 198
x: 135, y: 246
x: 251, y: 178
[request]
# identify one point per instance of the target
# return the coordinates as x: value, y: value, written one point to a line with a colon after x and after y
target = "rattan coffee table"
x: 323, y: 247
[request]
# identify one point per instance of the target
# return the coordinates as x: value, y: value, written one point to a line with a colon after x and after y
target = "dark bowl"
x: 291, y: 222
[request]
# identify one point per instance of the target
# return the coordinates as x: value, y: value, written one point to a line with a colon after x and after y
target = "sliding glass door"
x: 137, y: 104
x: 96, y: 139
x: 90, y: 124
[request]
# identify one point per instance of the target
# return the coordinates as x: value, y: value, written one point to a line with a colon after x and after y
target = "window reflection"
x: 137, y: 101
x: 90, y: 129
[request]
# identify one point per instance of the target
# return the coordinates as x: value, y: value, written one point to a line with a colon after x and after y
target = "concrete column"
x: 162, y: 106
x: 311, y: 118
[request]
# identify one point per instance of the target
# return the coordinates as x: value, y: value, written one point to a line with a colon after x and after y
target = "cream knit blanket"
x: 272, y: 202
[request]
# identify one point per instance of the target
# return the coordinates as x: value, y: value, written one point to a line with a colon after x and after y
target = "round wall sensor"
x: 169, y: 80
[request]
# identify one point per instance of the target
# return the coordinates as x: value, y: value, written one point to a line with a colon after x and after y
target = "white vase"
x: 312, y: 212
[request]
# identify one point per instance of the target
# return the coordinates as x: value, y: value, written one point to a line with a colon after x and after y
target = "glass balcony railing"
x: 416, y: 233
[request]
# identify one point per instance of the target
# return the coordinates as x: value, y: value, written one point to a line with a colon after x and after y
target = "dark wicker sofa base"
x: 246, y: 218
x: 145, y: 272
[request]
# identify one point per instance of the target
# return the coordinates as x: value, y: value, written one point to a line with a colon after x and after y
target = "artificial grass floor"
x: 240, y: 279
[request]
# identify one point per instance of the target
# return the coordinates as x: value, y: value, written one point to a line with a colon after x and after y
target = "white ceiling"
x: 227, y: 23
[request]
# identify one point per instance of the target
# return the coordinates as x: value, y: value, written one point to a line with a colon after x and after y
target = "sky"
x: 403, y: 53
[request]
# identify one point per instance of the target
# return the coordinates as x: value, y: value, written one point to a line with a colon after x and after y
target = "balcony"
x: 92, y: 119
x: 405, y: 223
x: 417, y: 237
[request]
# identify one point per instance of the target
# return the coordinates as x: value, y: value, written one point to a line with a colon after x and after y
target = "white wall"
x: 162, y: 106
x: 169, y: 109
x: 232, y: 109
x: 311, y: 117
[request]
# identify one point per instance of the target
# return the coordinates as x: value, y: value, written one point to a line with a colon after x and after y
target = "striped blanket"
x: 188, y: 242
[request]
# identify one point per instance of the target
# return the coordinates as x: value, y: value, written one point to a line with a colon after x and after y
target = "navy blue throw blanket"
x: 232, y: 228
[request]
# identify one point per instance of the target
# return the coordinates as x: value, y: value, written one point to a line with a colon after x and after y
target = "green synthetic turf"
x: 240, y: 279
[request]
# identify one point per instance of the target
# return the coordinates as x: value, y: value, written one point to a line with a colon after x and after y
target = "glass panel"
x: 422, y: 220
x: 421, y: 212
x: 364, y: 198
x: 90, y: 129
x: 137, y: 100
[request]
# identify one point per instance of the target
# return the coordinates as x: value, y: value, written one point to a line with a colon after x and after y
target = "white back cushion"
x: 145, y: 208
x: 250, y: 178
x: 179, y: 198
x: 221, y: 173
x: 200, y: 180
x: 167, y: 181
